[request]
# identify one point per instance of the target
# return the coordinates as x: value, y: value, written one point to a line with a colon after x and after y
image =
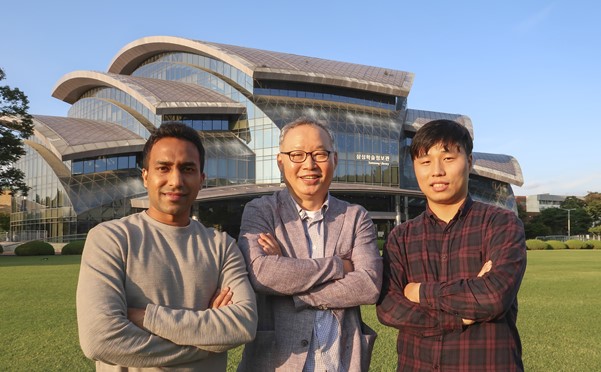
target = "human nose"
x: 438, y: 169
x: 309, y: 162
x: 175, y: 178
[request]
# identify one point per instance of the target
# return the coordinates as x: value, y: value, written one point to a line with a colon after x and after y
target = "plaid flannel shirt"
x: 445, y: 259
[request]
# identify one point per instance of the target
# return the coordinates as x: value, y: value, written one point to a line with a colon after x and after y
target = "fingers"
x: 222, y: 298
x: 269, y: 244
x: 467, y: 321
x: 486, y: 268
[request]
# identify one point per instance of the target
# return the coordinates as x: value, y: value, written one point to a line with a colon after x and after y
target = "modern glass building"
x: 85, y: 168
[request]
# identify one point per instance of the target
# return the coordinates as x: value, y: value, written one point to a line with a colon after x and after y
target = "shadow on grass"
x: 9, y: 260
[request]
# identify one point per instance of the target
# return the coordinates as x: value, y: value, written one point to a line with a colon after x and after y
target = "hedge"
x: 35, y: 248
x: 576, y: 244
x: 596, y: 244
x: 73, y: 248
x: 536, y: 245
x: 556, y: 244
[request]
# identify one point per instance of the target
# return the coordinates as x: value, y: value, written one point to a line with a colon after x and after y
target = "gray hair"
x: 307, y: 121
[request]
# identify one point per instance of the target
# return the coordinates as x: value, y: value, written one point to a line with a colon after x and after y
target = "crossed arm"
x: 221, y: 298
x: 411, y: 290
x: 434, y: 308
x: 345, y: 280
x: 157, y: 335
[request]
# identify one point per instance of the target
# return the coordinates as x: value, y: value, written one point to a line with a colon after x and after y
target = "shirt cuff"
x: 428, y: 295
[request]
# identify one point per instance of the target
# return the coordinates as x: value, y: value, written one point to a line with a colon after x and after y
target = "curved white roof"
x: 268, y: 65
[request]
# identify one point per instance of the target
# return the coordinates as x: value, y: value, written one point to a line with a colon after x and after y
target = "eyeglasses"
x: 299, y: 156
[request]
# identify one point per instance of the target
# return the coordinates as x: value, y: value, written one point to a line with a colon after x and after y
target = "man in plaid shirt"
x: 452, y: 274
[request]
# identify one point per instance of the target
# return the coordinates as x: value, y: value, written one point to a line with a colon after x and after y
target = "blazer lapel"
x: 334, y: 220
x: 296, y: 245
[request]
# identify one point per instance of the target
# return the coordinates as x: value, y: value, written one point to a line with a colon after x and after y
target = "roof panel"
x: 69, y: 138
x: 264, y: 64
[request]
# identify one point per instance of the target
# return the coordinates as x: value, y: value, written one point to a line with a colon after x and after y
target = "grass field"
x: 559, y: 318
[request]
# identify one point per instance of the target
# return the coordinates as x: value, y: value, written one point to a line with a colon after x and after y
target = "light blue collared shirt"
x: 324, y: 349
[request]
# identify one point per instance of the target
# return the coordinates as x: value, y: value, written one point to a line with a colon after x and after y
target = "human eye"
x: 162, y: 168
x: 297, y: 155
x: 320, y: 155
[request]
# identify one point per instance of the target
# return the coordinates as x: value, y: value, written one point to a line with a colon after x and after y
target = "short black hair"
x: 448, y: 133
x: 174, y: 129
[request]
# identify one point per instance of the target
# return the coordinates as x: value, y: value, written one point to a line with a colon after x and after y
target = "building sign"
x: 373, y: 159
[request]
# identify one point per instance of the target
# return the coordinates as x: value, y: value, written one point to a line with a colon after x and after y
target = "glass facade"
x: 104, y: 163
x: 325, y: 93
x: 116, y: 106
x: 240, y: 149
x: 366, y: 141
x: 65, y: 208
x: 255, y: 128
x: 46, y: 210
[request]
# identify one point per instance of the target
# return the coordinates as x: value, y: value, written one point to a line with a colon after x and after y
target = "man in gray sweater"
x: 157, y: 289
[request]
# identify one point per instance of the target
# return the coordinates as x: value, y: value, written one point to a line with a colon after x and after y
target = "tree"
x: 534, y: 229
x: 4, y: 222
x: 593, y: 206
x: 16, y: 124
x: 572, y: 202
x: 554, y: 218
x: 580, y: 221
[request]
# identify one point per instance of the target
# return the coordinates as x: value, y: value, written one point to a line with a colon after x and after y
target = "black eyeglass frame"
x: 307, y: 153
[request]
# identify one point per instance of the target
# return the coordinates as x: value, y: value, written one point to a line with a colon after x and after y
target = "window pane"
x: 100, y: 165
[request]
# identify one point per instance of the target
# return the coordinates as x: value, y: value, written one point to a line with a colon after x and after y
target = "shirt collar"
x: 461, y: 213
x: 303, y: 213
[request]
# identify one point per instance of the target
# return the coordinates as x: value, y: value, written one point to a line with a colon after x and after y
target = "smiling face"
x: 442, y: 174
x: 308, y: 181
x: 173, y: 179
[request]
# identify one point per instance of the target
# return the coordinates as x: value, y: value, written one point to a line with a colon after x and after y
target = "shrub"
x: 556, y: 244
x: 575, y: 244
x: 1, y: 250
x: 35, y: 248
x: 536, y: 245
x: 595, y: 244
x: 74, y: 247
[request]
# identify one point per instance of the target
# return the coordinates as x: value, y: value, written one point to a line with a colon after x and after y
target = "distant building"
x: 540, y: 202
x: 85, y: 168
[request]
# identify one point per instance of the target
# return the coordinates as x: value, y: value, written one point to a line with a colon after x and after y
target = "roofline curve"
x: 517, y: 179
x: 71, y: 86
x: 134, y: 53
x: 51, y: 159
x: 131, y: 55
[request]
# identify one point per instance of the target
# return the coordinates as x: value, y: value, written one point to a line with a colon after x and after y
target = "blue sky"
x: 527, y: 73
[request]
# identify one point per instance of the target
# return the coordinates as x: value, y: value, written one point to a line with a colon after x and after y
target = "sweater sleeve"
x: 105, y: 333
x: 215, y: 330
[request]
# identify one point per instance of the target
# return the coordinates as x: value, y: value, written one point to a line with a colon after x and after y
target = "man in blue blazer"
x: 312, y: 260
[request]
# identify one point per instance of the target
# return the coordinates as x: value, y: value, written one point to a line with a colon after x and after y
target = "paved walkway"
x: 8, y: 248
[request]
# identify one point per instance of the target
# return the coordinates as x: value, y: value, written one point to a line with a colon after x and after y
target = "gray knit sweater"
x: 172, y: 272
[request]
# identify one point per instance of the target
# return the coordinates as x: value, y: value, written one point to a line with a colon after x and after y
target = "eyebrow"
x: 185, y: 164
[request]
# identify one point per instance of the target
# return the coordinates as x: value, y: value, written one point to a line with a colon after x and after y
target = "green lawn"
x: 559, y: 319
